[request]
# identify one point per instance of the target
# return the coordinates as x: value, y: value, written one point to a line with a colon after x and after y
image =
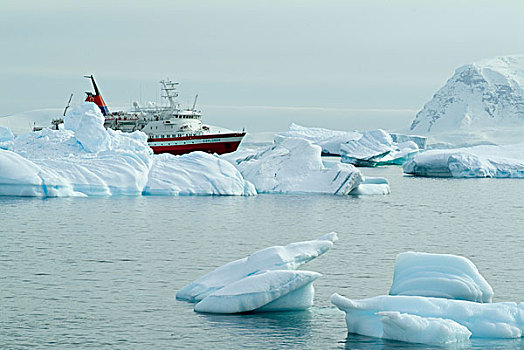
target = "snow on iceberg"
x: 293, y: 165
x: 480, y: 161
x: 88, y: 160
x: 277, y: 290
x: 483, y: 320
x: 376, y: 147
x: 424, y: 330
x: 329, y: 140
x: 287, y: 257
x: 439, y: 275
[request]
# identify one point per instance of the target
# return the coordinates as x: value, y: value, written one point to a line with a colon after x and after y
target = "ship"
x: 170, y: 129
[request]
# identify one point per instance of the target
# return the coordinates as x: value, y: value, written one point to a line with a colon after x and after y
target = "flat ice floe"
x: 427, y: 308
x: 502, y: 161
x: 483, y: 320
x: 439, y: 275
x: 288, y: 257
x: 276, y: 290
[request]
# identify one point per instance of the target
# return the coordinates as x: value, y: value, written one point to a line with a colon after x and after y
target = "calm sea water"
x: 103, y: 273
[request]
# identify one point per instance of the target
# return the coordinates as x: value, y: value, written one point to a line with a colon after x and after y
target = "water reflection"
x: 272, y: 329
x: 355, y: 341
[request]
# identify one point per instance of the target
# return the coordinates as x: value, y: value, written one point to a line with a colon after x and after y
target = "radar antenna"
x: 169, y: 89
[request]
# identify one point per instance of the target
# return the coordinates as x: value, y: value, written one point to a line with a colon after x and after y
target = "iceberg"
x: 423, y: 330
x: 376, y: 147
x: 500, y: 161
x: 329, y: 140
x: 439, y: 275
x: 293, y: 165
x: 435, y: 299
x: 372, y: 186
x: 196, y: 173
x: 288, y: 257
x: 277, y: 290
x: 483, y: 320
x: 6, y: 135
x: 368, y: 148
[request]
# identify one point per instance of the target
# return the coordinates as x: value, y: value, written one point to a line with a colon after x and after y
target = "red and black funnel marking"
x: 96, y: 97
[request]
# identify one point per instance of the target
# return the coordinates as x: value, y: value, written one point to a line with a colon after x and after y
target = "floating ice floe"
x: 439, y: 275
x: 430, y: 310
x: 480, y: 161
x: 288, y: 257
x: 376, y: 147
x: 483, y: 320
x: 329, y: 140
x: 293, y: 165
x: 264, y: 281
x: 268, y: 291
x: 195, y: 173
x: 424, y: 330
x: 370, y: 148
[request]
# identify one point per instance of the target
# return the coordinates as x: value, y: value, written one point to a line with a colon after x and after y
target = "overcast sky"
x: 258, y: 64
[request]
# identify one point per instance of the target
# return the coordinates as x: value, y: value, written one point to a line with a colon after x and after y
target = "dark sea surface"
x: 102, y: 273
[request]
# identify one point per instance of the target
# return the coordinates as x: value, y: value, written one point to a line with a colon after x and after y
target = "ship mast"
x: 170, y: 92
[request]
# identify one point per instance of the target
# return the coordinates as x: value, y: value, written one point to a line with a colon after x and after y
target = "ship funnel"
x: 96, y: 97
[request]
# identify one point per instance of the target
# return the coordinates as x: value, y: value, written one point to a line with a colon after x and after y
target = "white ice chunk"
x: 195, y: 173
x: 480, y: 161
x: 295, y: 165
x: 439, y: 275
x: 484, y: 320
x: 6, y: 134
x: 424, y: 330
x: 287, y: 257
x: 87, y: 122
x: 329, y: 140
x: 276, y: 290
x: 420, y: 141
x: 372, y: 186
x: 376, y: 147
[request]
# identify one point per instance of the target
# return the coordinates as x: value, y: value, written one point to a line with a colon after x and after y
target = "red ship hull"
x: 211, y: 143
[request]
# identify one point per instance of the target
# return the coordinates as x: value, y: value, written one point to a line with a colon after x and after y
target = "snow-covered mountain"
x: 484, y: 94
